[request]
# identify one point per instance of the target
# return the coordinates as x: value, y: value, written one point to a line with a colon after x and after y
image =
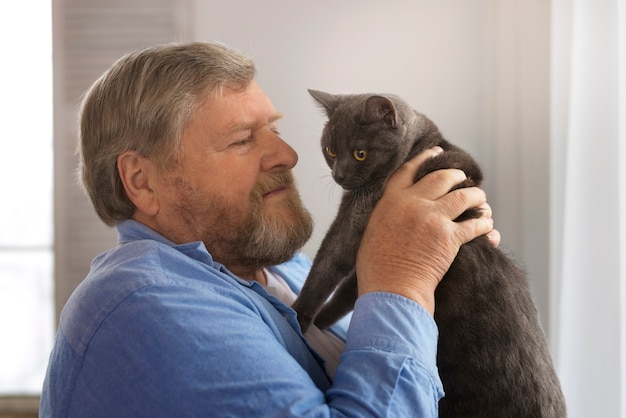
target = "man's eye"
x: 242, y: 142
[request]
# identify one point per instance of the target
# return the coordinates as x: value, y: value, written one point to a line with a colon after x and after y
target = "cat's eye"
x: 359, y: 154
x: 330, y: 152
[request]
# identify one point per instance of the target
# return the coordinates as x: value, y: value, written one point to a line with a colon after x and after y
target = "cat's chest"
x: 359, y: 205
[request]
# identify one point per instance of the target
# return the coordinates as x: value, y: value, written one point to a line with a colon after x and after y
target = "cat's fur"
x: 492, y: 355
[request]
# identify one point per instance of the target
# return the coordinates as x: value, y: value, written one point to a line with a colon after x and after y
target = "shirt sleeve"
x: 389, y: 365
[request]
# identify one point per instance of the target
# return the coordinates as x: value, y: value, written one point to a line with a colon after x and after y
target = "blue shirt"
x: 159, y: 329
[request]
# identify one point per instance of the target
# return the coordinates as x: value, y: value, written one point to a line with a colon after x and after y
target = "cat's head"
x: 367, y: 136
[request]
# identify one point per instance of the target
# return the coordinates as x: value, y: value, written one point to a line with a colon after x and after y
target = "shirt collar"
x: 131, y: 230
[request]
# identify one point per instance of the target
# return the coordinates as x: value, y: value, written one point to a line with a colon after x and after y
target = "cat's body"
x: 492, y: 355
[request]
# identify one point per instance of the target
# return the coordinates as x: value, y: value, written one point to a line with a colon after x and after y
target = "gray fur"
x: 492, y: 355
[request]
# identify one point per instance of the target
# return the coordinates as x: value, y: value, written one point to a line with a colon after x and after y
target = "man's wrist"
x: 425, y: 298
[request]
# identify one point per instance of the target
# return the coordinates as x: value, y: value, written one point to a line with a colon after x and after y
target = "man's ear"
x: 136, y: 173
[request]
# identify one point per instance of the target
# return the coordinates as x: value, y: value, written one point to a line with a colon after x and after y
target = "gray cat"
x: 492, y: 355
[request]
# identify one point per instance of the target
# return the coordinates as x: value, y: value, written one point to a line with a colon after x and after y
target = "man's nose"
x: 277, y: 153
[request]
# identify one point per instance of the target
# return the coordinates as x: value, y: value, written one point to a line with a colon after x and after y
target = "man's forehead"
x: 236, y: 109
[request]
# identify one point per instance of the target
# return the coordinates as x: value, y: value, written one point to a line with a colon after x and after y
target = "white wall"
x: 479, y: 69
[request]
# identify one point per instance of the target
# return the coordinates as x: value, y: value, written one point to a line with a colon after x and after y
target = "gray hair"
x: 143, y: 103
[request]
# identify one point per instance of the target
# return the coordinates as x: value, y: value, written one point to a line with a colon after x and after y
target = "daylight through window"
x: 26, y: 214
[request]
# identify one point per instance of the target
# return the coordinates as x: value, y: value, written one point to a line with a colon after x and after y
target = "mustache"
x: 279, y: 180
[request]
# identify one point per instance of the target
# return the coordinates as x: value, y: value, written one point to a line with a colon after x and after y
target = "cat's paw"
x: 304, y: 320
x: 305, y: 323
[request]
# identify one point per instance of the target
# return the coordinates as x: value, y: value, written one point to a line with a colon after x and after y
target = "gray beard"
x: 262, y: 240
x: 265, y: 241
x: 247, y: 239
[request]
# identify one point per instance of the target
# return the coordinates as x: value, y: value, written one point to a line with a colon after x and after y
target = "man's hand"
x: 411, y: 238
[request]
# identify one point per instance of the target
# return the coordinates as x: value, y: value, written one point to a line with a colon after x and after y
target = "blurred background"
x: 534, y: 90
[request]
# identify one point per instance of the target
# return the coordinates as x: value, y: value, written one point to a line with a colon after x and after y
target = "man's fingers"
x: 405, y: 175
x: 437, y: 184
x: 473, y: 228
x: 435, y: 187
x: 454, y: 203
x: 485, y: 209
x: 494, y: 237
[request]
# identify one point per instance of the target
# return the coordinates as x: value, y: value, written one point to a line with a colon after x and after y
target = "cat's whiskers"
x: 329, y: 186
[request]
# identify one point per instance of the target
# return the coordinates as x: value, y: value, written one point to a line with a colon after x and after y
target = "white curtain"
x: 588, y: 215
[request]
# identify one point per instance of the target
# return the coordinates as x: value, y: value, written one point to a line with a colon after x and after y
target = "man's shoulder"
x: 120, y: 276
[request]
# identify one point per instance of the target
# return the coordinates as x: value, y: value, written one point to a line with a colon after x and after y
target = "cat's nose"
x: 338, y: 177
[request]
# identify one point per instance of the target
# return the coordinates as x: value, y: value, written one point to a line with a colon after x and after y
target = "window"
x: 26, y: 214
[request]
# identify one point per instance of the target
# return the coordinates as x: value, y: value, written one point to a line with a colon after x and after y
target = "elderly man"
x: 189, y: 315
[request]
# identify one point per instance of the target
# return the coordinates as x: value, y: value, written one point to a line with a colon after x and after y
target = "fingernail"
x: 437, y: 150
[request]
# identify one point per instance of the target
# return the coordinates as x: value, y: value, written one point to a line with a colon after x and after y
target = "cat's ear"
x: 327, y: 100
x: 380, y: 109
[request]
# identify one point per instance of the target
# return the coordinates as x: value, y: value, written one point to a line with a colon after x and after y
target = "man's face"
x: 233, y: 188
